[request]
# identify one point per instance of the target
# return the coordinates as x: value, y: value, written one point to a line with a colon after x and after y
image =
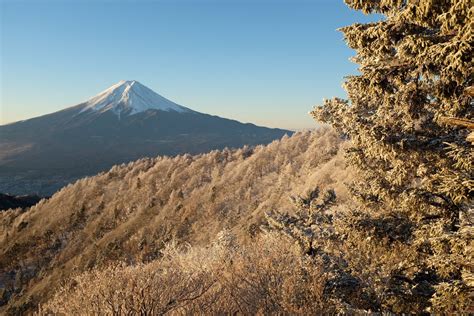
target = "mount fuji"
x: 123, y: 123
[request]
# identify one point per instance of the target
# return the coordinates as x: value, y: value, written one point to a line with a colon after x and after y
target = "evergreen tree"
x: 415, y: 173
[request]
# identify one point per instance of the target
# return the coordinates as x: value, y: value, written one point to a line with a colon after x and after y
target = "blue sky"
x: 261, y: 61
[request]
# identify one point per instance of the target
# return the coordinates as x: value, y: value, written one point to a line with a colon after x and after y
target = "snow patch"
x: 130, y: 97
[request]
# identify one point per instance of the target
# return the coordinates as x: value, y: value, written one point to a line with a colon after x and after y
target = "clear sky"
x: 262, y: 61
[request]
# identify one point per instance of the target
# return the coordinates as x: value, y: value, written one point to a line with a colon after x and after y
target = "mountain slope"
x: 123, y: 123
x: 129, y: 212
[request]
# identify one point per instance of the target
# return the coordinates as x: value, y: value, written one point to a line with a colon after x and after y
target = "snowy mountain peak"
x: 131, y: 97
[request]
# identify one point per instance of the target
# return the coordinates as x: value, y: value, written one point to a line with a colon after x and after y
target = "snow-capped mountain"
x: 131, y: 97
x: 123, y: 123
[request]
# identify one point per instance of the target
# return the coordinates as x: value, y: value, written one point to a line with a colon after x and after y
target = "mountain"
x: 126, y: 122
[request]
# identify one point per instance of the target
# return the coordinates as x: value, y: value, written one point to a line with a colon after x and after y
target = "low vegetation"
x: 270, y: 276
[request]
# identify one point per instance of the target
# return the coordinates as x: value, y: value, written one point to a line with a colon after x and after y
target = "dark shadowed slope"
x: 8, y: 201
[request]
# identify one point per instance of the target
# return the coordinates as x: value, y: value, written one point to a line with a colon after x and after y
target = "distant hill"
x: 126, y: 122
x: 130, y: 212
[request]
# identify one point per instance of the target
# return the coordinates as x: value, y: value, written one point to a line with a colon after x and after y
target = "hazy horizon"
x: 262, y: 62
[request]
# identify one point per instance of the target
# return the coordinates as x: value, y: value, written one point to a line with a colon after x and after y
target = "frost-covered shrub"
x: 225, y: 278
x: 414, y: 180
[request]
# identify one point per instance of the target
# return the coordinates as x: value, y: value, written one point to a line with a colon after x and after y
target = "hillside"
x: 131, y: 211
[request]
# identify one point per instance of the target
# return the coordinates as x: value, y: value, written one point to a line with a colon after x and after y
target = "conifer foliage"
x: 415, y: 173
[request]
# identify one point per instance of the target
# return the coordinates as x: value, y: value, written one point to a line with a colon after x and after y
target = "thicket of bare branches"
x: 270, y: 276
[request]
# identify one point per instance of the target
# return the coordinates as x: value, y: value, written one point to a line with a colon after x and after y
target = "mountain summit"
x: 131, y: 97
x: 123, y: 123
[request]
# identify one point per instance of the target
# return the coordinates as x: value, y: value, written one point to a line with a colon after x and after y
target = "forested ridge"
x: 130, y: 212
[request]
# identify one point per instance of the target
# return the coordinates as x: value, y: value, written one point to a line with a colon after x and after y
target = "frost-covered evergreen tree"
x: 415, y: 173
